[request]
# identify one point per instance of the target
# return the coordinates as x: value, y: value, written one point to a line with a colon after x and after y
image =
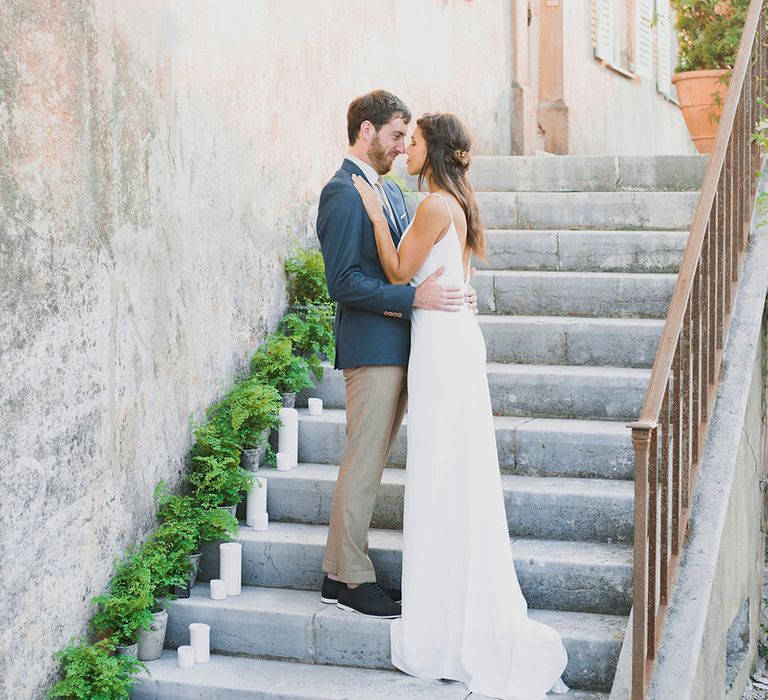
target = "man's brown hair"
x: 378, y: 107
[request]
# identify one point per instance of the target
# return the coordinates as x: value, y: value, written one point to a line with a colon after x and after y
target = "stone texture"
x: 598, y: 251
x: 526, y: 445
x: 548, y: 508
x: 669, y: 211
x: 558, y: 575
x: 345, y: 639
x: 232, y: 678
x: 601, y: 294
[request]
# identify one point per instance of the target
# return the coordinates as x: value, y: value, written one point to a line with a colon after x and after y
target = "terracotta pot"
x: 698, y: 92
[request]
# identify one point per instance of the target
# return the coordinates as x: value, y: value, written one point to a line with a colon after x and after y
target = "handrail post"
x: 641, y: 442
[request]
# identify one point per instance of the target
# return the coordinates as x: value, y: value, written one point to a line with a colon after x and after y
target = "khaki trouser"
x: 376, y: 397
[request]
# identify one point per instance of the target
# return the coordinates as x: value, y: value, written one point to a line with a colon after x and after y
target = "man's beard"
x: 378, y: 156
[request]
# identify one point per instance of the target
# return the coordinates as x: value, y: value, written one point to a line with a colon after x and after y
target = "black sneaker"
x: 329, y: 593
x: 369, y: 599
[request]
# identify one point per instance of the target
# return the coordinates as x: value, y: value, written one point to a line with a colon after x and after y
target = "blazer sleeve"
x: 339, y: 228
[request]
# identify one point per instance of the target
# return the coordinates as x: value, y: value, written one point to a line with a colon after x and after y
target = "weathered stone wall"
x: 157, y: 159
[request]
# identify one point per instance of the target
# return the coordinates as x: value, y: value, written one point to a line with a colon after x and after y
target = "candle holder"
x: 288, y: 434
x: 218, y: 589
x: 256, y: 505
x: 315, y: 407
x: 185, y: 657
x: 200, y: 641
x: 230, y: 566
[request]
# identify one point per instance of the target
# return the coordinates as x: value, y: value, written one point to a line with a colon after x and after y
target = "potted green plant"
x: 275, y: 364
x: 169, y: 567
x: 311, y: 332
x: 709, y: 33
x: 218, y: 481
x: 194, y: 525
x: 127, y: 607
x: 246, y: 415
x: 95, y: 672
x: 306, y: 278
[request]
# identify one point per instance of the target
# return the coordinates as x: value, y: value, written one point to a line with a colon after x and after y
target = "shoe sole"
x: 329, y: 601
x: 381, y: 617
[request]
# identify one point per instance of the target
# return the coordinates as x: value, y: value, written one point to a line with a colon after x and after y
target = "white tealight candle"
x: 185, y: 657
x: 230, y: 566
x: 256, y: 506
x: 288, y: 434
x: 315, y: 407
x: 284, y: 461
x: 218, y: 589
x: 200, y: 641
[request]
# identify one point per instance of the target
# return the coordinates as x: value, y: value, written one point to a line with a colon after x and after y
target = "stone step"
x: 295, y: 625
x: 553, y: 508
x: 604, y: 393
x: 554, y: 575
x: 237, y: 678
x: 568, y: 340
x: 584, y: 251
x: 593, y: 294
x: 665, y: 211
x: 581, y: 173
x: 527, y: 446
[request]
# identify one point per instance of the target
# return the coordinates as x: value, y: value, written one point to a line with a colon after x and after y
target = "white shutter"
x: 643, y: 38
x: 664, y: 43
x: 604, y: 30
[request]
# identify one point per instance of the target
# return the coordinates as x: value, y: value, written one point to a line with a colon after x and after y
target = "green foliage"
x: 402, y: 184
x: 199, y: 524
x: 92, y: 672
x: 709, y: 32
x: 166, y: 555
x: 306, y: 277
x: 246, y: 412
x: 311, y: 332
x: 275, y: 364
x: 127, y: 607
x: 218, y: 481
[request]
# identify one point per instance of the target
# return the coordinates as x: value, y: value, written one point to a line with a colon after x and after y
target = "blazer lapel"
x: 394, y: 230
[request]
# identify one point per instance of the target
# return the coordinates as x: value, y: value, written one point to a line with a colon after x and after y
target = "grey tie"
x: 383, y: 197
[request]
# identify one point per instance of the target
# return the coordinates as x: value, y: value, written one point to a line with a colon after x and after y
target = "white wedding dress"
x: 464, y: 616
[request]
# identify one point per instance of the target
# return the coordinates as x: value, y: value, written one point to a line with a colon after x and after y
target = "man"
x: 372, y: 342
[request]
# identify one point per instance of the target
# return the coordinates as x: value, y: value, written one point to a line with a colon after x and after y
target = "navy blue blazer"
x: 372, y: 316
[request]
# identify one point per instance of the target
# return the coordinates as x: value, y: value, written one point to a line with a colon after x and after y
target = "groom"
x: 372, y: 342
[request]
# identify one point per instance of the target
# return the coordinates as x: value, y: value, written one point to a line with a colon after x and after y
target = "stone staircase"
x: 572, y: 298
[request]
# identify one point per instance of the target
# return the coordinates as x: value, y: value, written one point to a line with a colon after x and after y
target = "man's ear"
x: 367, y: 130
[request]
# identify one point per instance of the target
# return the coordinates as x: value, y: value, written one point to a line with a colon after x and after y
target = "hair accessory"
x: 461, y: 157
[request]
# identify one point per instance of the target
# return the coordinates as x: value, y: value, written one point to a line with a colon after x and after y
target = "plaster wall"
x: 609, y: 113
x: 740, y: 564
x: 157, y: 160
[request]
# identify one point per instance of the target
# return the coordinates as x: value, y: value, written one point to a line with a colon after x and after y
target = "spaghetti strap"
x: 445, y: 201
x: 456, y: 231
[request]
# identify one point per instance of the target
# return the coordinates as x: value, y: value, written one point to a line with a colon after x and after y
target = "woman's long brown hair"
x: 447, y: 162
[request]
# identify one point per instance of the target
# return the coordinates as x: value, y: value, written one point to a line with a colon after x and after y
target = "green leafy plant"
x: 218, y: 481
x: 306, y: 277
x: 275, y: 364
x: 399, y: 181
x: 167, y: 561
x: 709, y: 32
x: 311, y: 332
x: 127, y: 607
x: 93, y: 672
x: 199, y: 524
x: 250, y: 409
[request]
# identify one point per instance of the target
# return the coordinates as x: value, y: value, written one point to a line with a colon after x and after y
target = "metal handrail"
x: 673, y: 422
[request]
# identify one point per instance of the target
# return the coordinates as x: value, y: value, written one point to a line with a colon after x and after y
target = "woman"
x: 464, y: 616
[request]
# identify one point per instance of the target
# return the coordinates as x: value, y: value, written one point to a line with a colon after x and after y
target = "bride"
x: 463, y: 616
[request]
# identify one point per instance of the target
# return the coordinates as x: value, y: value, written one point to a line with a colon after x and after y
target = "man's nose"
x: 400, y: 146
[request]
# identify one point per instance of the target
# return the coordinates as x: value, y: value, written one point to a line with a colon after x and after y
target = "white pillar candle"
x: 200, y: 641
x: 256, y: 506
x: 230, y: 566
x: 315, y: 407
x: 288, y: 433
x: 218, y: 589
x: 284, y: 461
x: 185, y: 657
